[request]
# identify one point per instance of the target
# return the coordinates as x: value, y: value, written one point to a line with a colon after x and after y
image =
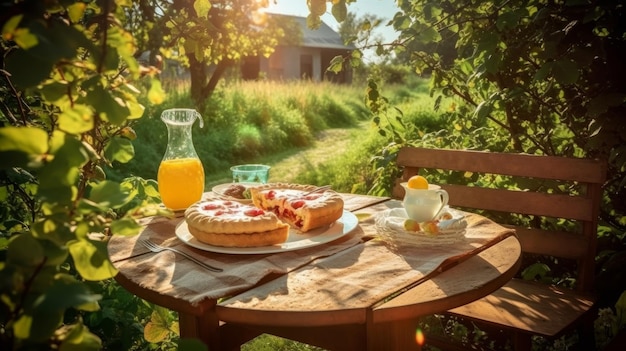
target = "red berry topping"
x: 253, y: 212
x: 297, y: 203
x: 210, y: 206
x: 270, y: 194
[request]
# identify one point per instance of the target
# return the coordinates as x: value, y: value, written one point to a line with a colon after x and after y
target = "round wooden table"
x: 329, y: 301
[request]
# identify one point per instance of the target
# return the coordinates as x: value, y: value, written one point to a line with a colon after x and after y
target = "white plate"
x: 295, y: 241
x: 219, y: 190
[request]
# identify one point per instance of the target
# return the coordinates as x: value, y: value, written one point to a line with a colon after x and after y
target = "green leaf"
x: 22, y: 146
x: 492, y: 63
x: 54, y: 253
x: 156, y: 330
x: 119, y: 149
x: 565, y: 72
x: 24, y: 250
x: 483, y: 110
x: 380, y: 50
x: 336, y: 64
x: 79, y: 338
x: 70, y: 152
x: 508, y: 20
x: 121, y: 46
x: 46, y: 313
x: 25, y: 39
x: 429, y: 35
x: 76, y: 11
x: 431, y: 11
x: 112, y: 58
x: 534, y: 271
x: 202, y: 8
x: 487, y: 44
x: 48, y: 229
x: 108, y: 193
x: 340, y: 11
x: 58, y: 178
x: 401, y: 22
x: 151, y: 188
x: 602, y: 103
x: 22, y: 327
x: 317, y: 7
x: 66, y: 292
x: 110, y: 108
x: 543, y: 72
x: 126, y: 227
x: 156, y: 95
x: 86, y: 206
x: 20, y: 176
x: 10, y: 26
x: 56, y: 92
x: 313, y: 21
x: 91, y: 260
x: 366, y: 25
x: 76, y: 120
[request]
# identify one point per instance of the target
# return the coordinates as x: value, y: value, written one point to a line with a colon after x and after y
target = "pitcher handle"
x: 444, y: 200
x: 199, y: 117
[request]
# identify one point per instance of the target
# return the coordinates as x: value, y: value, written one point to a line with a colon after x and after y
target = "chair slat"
x: 534, y: 166
x: 529, y: 203
x: 544, y: 242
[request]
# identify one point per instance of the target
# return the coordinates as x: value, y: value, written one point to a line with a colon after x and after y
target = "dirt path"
x: 330, y: 143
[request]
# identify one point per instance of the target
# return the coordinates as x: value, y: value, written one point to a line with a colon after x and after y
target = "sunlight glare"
x: 259, y: 18
x: 419, y: 337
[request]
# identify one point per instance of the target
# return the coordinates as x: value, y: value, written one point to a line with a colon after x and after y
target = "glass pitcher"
x: 181, y: 175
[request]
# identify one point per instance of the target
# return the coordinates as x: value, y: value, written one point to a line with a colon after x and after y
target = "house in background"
x: 307, y: 58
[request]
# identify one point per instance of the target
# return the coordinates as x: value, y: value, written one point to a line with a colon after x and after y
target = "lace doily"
x: 391, y: 223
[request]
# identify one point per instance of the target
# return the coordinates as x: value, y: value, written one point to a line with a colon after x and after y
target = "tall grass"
x: 245, y: 122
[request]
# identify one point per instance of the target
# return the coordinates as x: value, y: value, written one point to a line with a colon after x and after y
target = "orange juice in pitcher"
x: 181, y: 175
x: 181, y: 182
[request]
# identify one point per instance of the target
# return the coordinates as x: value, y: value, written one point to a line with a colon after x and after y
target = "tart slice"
x: 233, y: 224
x: 300, y: 211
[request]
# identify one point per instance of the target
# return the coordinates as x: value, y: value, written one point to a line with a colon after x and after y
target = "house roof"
x: 323, y: 37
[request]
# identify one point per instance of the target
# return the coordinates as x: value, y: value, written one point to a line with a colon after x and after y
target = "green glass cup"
x: 251, y: 173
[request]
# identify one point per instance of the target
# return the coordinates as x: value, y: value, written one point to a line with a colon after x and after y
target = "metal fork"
x: 158, y: 248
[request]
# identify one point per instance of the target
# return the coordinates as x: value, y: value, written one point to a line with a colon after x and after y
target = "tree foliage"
x: 70, y: 88
x: 208, y: 37
x: 545, y: 76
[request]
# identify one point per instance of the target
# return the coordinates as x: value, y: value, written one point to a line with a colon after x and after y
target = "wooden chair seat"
x: 530, y: 307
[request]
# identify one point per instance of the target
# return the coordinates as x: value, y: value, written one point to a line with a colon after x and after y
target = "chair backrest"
x: 554, y: 189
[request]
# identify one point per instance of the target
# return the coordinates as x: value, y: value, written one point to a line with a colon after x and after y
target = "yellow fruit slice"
x: 417, y: 182
x: 411, y: 225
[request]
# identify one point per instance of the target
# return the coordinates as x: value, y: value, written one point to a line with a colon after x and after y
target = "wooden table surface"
x: 368, y: 296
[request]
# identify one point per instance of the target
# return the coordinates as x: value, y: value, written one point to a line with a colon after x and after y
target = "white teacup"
x: 423, y: 205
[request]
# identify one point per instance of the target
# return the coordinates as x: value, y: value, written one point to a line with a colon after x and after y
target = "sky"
x: 383, y: 9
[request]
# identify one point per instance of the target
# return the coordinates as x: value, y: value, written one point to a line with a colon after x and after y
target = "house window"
x: 306, y: 66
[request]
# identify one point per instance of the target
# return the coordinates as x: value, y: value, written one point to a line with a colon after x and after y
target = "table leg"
x: 204, y: 327
x: 398, y: 335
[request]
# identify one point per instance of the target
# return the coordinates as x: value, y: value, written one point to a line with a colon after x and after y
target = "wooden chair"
x: 525, y: 308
